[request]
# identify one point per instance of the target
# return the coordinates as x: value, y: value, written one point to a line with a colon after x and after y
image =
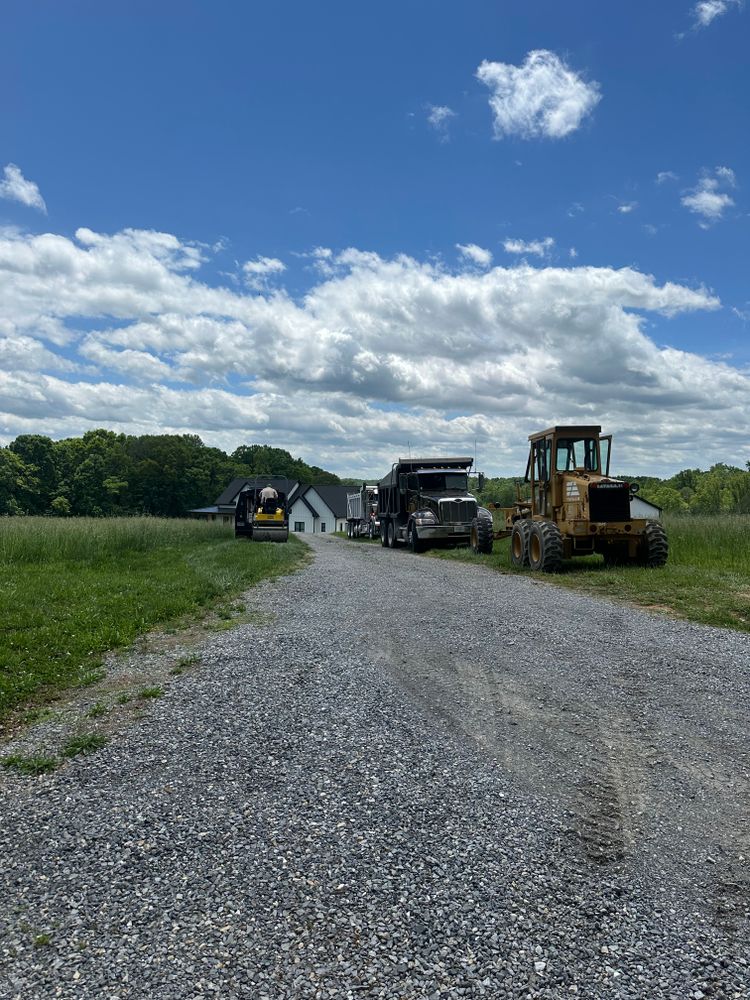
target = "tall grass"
x: 43, y: 540
x: 718, y: 542
x: 72, y: 589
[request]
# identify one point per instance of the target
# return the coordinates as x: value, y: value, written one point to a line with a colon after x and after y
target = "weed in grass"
x: 84, y: 743
x: 36, y: 715
x: 29, y: 764
x: 89, y: 677
x: 176, y: 671
x: 123, y: 699
x: 96, y: 711
x: 189, y: 660
x: 151, y: 692
x: 41, y: 940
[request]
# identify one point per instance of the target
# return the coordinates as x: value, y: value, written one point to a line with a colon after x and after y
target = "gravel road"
x: 422, y: 779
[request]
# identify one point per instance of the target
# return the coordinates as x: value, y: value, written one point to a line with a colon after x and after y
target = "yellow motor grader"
x: 569, y: 506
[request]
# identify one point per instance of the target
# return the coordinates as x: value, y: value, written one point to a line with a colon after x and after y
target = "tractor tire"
x: 519, y: 543
x: 481, y: 536
x: 384, y: 533
x: 415, y: 544
x: 391, y: 534
x: 654, y: 548
x: 545, y: 547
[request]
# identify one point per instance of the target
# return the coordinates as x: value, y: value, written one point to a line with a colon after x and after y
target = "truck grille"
x: 457, y: 511
x: 609, y: 503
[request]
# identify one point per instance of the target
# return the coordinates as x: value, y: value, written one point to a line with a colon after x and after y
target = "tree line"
x: 722, y: 489
x: 103, y: 473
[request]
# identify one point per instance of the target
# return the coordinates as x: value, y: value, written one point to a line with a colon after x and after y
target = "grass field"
x: 72, y: 589
x: 707, y: 577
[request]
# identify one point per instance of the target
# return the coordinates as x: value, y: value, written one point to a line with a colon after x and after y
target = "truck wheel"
x: 519, y: 542
x: 481, y: 536
x: 391, y: 534
x: 545, y: 547
x: 415, y: 544
x: 654, y: 547
x: 384, y: 533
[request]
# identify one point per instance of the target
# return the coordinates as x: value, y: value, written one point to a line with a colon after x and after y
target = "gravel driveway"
x: 423, y: 780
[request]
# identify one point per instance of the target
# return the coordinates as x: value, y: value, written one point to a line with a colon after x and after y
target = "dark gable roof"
x: 229, y: 495
x: 334, y: 497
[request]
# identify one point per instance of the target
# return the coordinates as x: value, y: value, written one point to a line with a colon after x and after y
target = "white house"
x: 318, y: 509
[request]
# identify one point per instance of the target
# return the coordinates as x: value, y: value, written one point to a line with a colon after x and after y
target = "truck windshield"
x: 430, y: 481
x: 577, y: 453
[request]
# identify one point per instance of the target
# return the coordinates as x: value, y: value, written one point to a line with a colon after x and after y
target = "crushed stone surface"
x: 418, y: 779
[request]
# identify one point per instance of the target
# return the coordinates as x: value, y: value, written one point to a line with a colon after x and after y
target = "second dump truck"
x: 426, y: 501
x: 569, y: 505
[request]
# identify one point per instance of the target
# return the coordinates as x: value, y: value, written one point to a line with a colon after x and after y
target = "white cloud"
x: 626, y: 207
x: 378, y: 353
x: 15, y: 187
x: 439, y: 118
x: 707, y: 11
x: 540, y: 248
x: 572, y: 253
x: 258, y: 271
x: 542, y: 97
x: 666, y: 175
x: 477, y: 255
x: 707, y: 198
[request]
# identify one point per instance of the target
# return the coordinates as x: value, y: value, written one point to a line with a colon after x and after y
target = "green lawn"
x: 707, y: 577
x: 72, y: 589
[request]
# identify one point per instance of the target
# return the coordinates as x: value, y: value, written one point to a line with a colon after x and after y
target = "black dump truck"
x: 426, y: 501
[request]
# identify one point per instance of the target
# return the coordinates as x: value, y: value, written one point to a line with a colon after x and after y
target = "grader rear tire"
x: 654, y: 547
x: 519, y: 543
x: 481, y: 536
x: 545, y: 547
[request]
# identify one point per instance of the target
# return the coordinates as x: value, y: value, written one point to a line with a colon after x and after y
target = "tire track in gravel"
x: 634, y: 724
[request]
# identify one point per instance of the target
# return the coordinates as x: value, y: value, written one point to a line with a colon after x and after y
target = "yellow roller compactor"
x: 262, y: 519
x: 569, y: 505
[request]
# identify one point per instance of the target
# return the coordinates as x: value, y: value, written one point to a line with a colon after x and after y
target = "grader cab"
x: 569, y: 506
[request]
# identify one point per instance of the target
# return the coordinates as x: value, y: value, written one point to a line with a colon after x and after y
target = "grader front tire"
x: 481, y: 536
x: 545, y: 547
x: 519, y: 543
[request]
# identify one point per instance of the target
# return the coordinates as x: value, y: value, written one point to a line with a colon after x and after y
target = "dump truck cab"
x: 425, y: 502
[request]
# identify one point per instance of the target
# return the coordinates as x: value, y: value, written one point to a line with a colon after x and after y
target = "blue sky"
x: 425, y: 222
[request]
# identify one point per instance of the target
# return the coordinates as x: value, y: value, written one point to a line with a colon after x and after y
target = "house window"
x: 299, y: 525
x: 322, y: 526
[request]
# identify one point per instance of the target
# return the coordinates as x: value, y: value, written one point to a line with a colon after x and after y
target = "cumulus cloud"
x: 666, y: 175
x: 542, y: 97
x: 626, y: 207
x: 258, y: 271
x: 439, y: 118
x: 707, y: 11
x: 379, y: 352
x: 540, y: 248
x: 477, y: 255
x: 15, y: 187
x: 709, y: 197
